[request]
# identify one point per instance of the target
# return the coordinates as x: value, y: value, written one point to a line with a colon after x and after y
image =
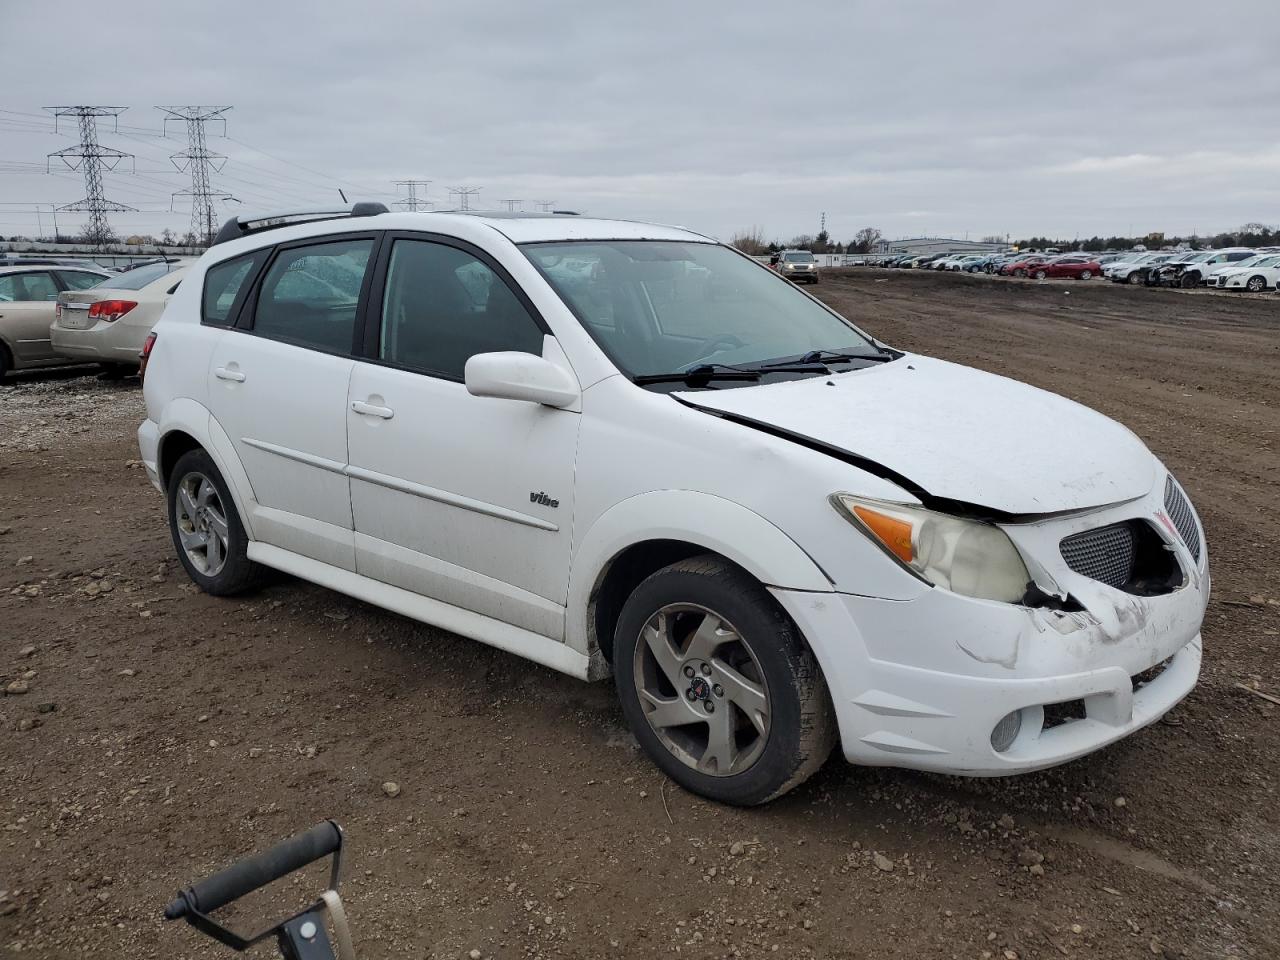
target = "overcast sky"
x: 918, y: 118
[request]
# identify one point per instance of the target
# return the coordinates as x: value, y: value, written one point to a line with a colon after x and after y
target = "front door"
x: 278, y: 387
x: 465, y: 499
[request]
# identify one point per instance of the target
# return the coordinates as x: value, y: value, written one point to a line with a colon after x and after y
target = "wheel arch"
x: 189, y: 426
x: 641, y: 535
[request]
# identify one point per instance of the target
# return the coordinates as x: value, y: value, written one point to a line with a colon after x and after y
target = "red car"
x: 1023, y: 267
x: 1079, y: 268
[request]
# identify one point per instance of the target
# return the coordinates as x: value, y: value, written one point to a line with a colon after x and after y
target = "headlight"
x: 969, y: 557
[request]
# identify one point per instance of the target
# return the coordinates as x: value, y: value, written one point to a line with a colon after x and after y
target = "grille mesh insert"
x: 1179, y: 510
x: 1104, y: 554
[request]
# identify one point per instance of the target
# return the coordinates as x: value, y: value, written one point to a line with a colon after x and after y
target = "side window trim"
x: 372, y: 314
x: 248, y: 309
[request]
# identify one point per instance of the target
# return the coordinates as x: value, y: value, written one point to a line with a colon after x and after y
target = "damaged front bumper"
x: 925, y: 683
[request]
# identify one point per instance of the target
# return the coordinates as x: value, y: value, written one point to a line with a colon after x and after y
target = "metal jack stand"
x: 302, y: 936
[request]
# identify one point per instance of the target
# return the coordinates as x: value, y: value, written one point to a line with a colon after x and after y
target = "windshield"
x: 656, y: 306
x: 798, y: 257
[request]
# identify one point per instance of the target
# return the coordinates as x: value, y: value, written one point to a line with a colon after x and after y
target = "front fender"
x: 719, y: 525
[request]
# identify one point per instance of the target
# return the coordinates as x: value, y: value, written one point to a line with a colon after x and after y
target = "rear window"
x: 223, y: 285
x: 139, y: 278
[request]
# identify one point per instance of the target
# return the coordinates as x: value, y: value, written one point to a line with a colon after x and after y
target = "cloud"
x: 913, y: 118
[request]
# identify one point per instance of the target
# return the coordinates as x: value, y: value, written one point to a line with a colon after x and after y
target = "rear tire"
x: 208, y: 536
x: 718, y: 685
x: 1086, y: 274
x: 5, y: 363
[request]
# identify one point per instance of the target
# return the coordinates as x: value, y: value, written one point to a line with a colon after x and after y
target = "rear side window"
x: 310, y: 294
x: 223, y: 284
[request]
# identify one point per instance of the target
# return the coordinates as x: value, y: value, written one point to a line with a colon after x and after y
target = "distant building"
x: 928, y: 245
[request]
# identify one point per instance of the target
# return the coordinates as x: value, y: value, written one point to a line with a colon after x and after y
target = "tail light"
x: 110, y: 310
x: 147, y: 346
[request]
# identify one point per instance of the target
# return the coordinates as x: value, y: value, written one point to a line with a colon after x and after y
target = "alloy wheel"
x: 202, y: 523
x: 702, y: 689
x: 1256, y: 284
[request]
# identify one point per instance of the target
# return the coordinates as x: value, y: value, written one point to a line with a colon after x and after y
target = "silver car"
x: 28, y: 301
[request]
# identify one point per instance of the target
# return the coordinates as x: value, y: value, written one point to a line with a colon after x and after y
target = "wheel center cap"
x: 699, y: 689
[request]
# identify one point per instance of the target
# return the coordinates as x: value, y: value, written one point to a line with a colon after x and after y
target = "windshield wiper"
x: 823, y: 357
x: 700, y: 374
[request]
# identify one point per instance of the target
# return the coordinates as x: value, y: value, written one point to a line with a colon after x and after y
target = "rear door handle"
x: 226, y: 373
x: 372, y: 410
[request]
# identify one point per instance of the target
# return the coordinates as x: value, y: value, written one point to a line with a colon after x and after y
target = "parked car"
x: 798, y: 266
x: 417, y: 410
x: 28, y: 300
x: 1133, y: 269
x: 1075, y: 267
x: 1191, y: 269
x: 1253, y: 275
x: 1022, y: 266
x: 110, y: 322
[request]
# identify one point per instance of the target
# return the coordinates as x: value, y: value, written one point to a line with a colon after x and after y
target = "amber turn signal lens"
x: 892, y: 532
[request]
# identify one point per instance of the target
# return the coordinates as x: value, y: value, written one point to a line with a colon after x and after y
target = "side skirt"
x: 532, y: 646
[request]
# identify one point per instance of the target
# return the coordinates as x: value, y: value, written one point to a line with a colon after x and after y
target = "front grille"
x: 1179, y: 510
x: 1104, y: 554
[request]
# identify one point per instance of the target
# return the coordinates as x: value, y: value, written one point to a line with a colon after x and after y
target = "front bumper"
x: 923, y: 683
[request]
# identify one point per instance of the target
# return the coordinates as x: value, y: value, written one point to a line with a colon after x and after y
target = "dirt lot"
x: 165, y: 733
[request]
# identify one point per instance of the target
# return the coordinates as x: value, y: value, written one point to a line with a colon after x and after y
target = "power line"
x: 198, y: 161
x: 464, y: 195
x: 412, y: 200
x: 93, y: 158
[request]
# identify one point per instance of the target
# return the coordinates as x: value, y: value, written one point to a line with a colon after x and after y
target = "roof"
x: 538, y: 227
x: 517, y: 227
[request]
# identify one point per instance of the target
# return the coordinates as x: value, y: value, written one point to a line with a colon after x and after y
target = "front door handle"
x: 372, y: 410
x: 226, y: 373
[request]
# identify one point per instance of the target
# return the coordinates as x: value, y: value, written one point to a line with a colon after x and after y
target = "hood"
x: 956, y: 433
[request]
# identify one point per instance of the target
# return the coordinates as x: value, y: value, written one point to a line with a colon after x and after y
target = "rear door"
x: 27, y: 304
x: 278, y: 388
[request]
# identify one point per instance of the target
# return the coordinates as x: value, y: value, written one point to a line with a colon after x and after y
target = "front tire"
x: 208, y: 536
x: 1135, y: 277
x: 718, y: 685
x: 1256, y: 284
x: 1040, y: 274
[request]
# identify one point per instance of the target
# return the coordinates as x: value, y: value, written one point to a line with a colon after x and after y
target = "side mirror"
x: 511, y: 375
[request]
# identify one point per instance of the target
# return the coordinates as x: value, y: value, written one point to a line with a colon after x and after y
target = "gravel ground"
x: 163, y: 733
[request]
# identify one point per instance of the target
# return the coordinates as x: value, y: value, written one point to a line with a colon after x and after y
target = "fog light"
x: 1006, y: 732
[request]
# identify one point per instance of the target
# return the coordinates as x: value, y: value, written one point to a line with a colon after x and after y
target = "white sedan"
x: 1254, y: 275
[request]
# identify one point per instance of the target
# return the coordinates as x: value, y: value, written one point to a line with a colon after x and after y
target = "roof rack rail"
x: 238, y: 227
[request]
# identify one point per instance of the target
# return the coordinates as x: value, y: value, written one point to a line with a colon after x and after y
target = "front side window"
x: 657, y: 306
x: 442, y: 306
x: 223, y: 284
x: 26, y: 287
x: 310, y: 295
